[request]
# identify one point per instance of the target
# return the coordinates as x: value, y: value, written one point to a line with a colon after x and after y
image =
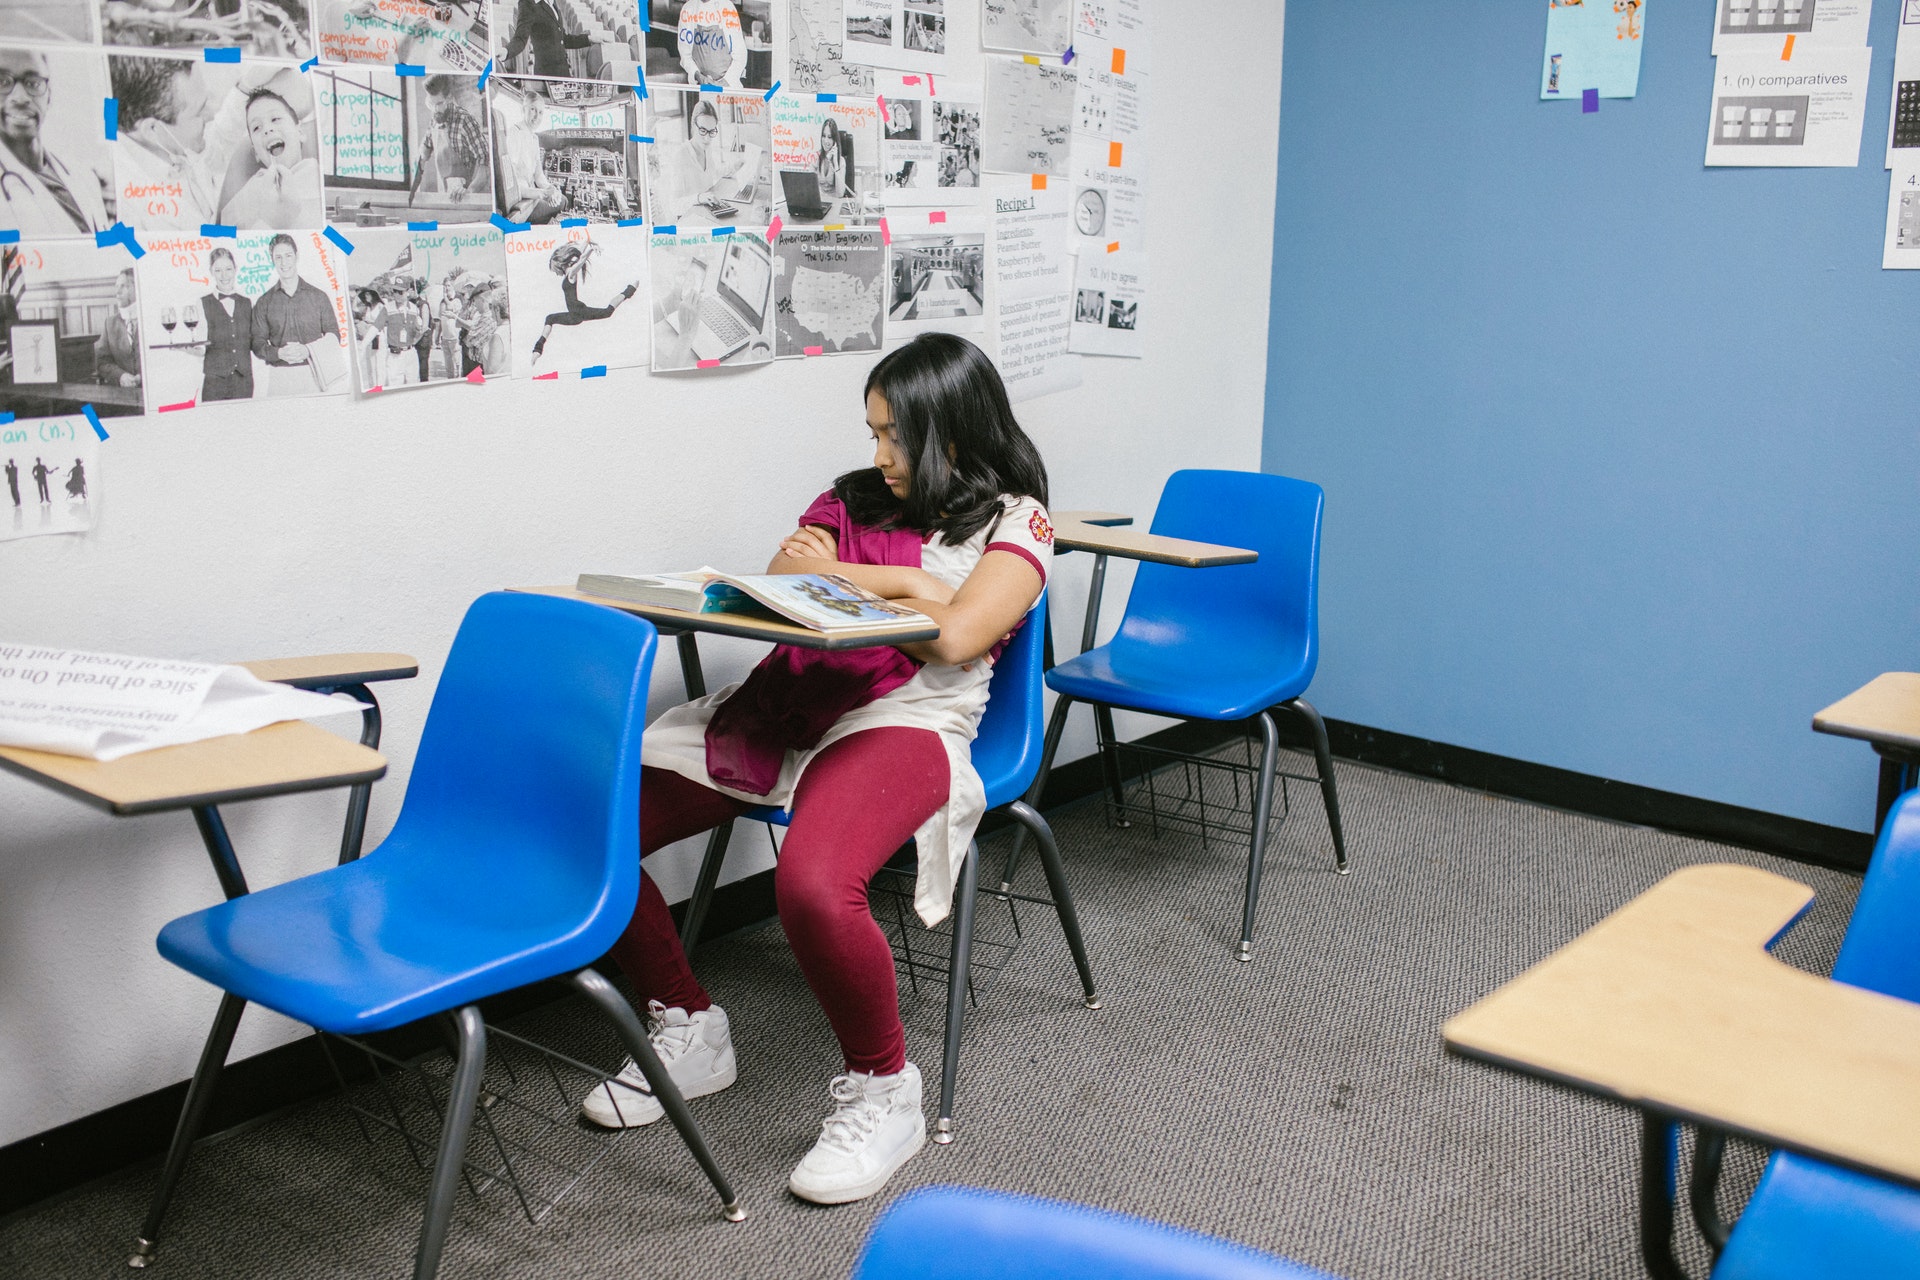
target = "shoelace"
x: 856, y: 1114
x: 670, y: 1043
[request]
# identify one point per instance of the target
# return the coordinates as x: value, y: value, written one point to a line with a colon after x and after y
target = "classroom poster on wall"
x: 830, y: 291
x: 709, y: 161
x: 1592, y: 46
x: 1762, y: 26
x: 64, y: 197
x: 579, y: 298
x: 448, y: 36
x: 816, y: 34
x: 1027, y: 26
x: 566, y: 149
x: 907, y: 35
x: 1029, y: 117
x: 1032, y: 288
x: 938, y: 280
x: 1901, y: 251
x: 402, y: 148
x: 52, y: 471
x: 728, y: 43
x: 260, y: 314
x: 69, y: 330
x: 1109, y: 194
x: 826, y: 159
x: 1107, y: 291
x: 930, y: 145
x: 1903, y: 107
x: 712, y: 299
x: 1113, y: 34
x: 429, y: 306
x: 1803, y: 113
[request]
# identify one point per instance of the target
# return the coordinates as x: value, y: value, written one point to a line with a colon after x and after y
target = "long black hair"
x: 963, y: 447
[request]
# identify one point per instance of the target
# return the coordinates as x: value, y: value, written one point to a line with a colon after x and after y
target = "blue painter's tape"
x: 218, y: 230
x: 594, y: 371
x: 310, y: 64
x: 667, y: 230
x: 711, y: 88
x: 408, y: 69
x: 640, y: 90
x: 826, y: 97
x: 11, y: 236
x: 768, y: 95
x: 101, y: 239
x: 486, y: 74
x: 507, y: 225
x: 223, y: 55
x: 646, y: 19
x: 631, y: 222
x: 1589, y: 101
x: 423, y: 226
x: 639, y: 137
x: 132, y: 245
x: 1066, y: 59
x: 340, y: 242
x: 110, y: 108
x: 93, y: 420
x: 6, y: 417
x: 573, y: 222
x: 718, y: 232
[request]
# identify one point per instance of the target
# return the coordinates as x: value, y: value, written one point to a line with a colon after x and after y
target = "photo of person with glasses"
x: 52, y: 156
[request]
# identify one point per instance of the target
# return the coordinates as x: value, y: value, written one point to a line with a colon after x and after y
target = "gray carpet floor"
x: 1301, y: 1104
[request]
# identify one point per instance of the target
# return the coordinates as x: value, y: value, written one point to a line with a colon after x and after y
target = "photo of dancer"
x: 213, y: 143
x: 69, y: 329
x: 263, y: 314
x: 447, y: 291
x: 565, y: 149
x: 55, y: 165
x: 581, y: 294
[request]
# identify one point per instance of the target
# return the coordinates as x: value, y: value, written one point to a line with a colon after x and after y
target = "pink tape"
x: 547, y: 377
x: 773, y: 231
x: 707, y: 364
x: 938, y: 215
x: 813, y: 351
x: 477, y: 377
x: 184, y: 404
x: 886, y: 236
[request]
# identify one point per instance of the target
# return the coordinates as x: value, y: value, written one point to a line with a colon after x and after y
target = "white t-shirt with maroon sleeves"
x: 948, y: 700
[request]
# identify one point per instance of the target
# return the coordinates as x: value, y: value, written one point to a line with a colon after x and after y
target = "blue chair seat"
x: 388, y: 939
x: 1809, y: 1218
x: 1139, y: 670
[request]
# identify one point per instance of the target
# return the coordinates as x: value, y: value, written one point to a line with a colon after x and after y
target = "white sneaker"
x: 697, y: 1050
x: 876, y: 1126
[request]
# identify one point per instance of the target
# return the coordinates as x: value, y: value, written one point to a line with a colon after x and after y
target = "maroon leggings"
x: 857, y: 803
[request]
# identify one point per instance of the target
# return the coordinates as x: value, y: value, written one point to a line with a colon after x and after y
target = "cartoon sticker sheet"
x: 1593, y: 46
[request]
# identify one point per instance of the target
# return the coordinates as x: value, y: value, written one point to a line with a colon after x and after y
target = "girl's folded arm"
x: 986, y: 609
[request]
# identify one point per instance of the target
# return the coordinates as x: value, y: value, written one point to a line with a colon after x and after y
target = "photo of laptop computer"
x: 804, y: 201
x: 735, y: 301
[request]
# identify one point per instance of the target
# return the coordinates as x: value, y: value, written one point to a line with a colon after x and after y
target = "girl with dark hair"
x: 866, y: 748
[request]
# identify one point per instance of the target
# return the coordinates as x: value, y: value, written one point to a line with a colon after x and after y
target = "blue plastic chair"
x: 1808, y: 1217
x: 958, y: 1233
x: 1006, y: 755
x: 515, y: 859
x: 1230, y: 643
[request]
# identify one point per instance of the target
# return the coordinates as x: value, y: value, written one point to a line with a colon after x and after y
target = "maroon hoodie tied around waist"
x: 795, y: 695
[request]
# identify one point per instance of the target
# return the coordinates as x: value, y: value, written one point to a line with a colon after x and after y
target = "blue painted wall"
x: 1621, y: 453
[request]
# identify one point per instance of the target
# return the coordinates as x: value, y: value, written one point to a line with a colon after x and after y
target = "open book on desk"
x: 825, y: 602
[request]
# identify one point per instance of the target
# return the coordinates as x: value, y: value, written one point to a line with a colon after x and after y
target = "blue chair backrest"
x: 1006, y: 752
x: 528, y: 773
x: 1881, y: 951
x: 958, y: 1233
x: 1271, y: 605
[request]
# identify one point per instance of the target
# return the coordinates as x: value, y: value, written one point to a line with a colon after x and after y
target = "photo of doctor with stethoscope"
x: 54, y: 159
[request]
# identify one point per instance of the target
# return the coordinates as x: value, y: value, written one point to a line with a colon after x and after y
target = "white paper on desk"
x: 107, y: 705
x: 1803, y: 113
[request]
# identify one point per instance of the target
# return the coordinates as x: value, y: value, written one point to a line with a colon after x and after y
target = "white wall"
x: 233, y: 533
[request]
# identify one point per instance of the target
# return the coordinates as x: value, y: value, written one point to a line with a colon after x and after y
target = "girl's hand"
x: 810, y: 542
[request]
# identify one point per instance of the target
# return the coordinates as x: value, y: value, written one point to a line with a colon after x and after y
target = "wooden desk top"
x: 1885, y: 711
x: 1130, y: 545
x: 323, y: 670
x: 1102, y: 518
x: 276, y: 760
x: 1672, y: 1003
x: 745, y: 626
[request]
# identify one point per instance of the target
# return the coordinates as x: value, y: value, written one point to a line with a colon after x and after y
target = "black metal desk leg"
x: 1094, y: 589
x: 1896, y: 778
x: 690, y: 672
x: 1659, y: 1151
x: 213, y: 833
x: 354, y: 834
x: 213, y: 1057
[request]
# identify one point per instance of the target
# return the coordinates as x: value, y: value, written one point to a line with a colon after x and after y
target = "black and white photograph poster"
x: 937, y: 280
x: 816, y: 34
x: 1032, y: 286
x: 1027, y: 26
x: 52, y: 473
x: 200, y: 142
x: 930, y: 146
x: 710, y: 160
x: 907, y: 35
x: 402, y: 148
x: 56, y: 166
x: 1109, y: 198
x: 279, y: 29
x: 581, y: 297
x: 826, y: 159
x: 446, y: 35
x: 566, y: 149
x: 1102, y: 28
x: 712, y: 299
x: 830, y: 291
x: 1107, y: 292
x: 568, y: 40
x: 50, y: 21
x: 429, y: 306
x: 1110, y: 105
x: 263, y: 313
x: 728, y: 43
x: 1029, y: 117
x: 69, y: 330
